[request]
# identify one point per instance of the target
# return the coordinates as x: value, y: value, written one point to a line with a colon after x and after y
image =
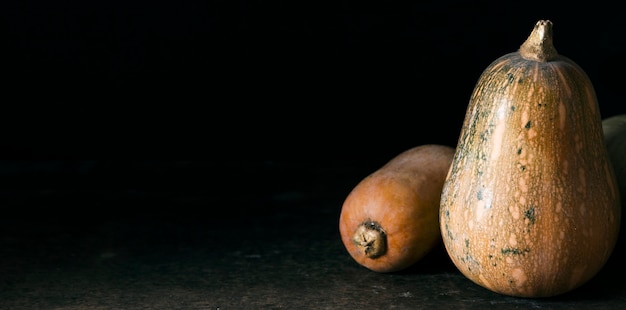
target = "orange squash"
x: 530, y: 206
x: 390, y: 219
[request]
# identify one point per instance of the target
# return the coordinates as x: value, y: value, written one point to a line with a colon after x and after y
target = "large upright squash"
x: 530, y: 206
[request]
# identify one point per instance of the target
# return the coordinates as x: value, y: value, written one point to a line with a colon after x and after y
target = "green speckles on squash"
x: 514, y: 251
x: 484, y: 136
x: 530, y: 215
x: 510, y: 78
x: 449, y: 233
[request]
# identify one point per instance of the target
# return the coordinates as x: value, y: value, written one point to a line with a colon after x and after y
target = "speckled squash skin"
x: 530, y: 206
x: 402, y: 199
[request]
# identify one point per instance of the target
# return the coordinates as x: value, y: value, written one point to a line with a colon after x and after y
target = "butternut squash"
x: 390, y: 219
x: 530, y: 206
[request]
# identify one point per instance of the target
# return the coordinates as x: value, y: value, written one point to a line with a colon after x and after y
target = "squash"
x: 530, y: 206
x: 614, y: 129
x: 390, y: 219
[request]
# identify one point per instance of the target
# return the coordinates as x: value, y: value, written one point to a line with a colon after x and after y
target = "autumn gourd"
x: 614, y: 128
x: 530, y: 206
x: 390, y: 219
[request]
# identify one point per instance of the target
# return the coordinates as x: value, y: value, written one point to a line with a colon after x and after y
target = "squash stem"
x: 370, y: 238
x: 538, y: 46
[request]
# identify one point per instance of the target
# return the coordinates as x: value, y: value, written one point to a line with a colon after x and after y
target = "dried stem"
x: 538, y: 46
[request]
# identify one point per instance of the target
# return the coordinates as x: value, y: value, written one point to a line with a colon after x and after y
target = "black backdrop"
x: 270, y: 80
x: 203, y: 128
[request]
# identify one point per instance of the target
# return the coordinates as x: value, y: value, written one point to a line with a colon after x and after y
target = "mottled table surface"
x: 178, y: 246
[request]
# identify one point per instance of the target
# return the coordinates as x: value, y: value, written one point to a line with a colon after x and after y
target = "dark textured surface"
x: 276, y: 247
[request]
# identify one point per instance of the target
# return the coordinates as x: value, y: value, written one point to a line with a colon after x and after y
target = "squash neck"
x: 538, y: 46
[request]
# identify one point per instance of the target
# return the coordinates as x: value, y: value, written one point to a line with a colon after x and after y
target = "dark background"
x: 192, y: 94
x: 138, y: 137
x: 285, y: 80
x: 244, y: 100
